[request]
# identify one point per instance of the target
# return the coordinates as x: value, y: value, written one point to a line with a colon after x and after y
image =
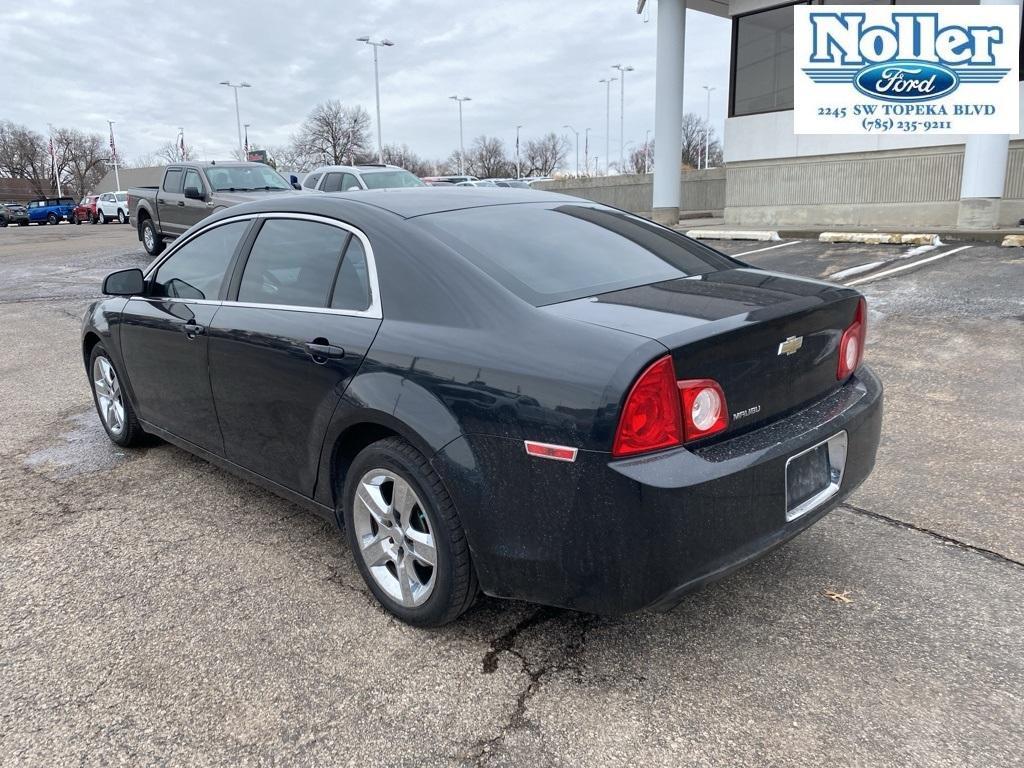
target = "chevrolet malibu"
x: 519, y: 393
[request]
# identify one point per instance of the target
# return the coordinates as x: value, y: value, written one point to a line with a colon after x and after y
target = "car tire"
x: 391, y: 552
x: 121, y: 218
x: 112, y: 404
x: 22, y: 223
x: 3, y: 223
x: 75, y: 219
x: 94, y: 219
x: 52, y: 219
x: 101, y: 217
x: 151, y: 239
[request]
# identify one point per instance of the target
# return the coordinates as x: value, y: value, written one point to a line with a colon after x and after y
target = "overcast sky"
x: 152, y: 67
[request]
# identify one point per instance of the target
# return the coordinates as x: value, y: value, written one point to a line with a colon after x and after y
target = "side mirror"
x: 194, y: 193
x: 296, y: 185
x: 124, y: 282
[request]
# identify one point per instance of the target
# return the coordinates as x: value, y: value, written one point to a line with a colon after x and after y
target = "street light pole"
x: 707, y: 130
x: 586, y: 150
x: 518, y: 169
x: 622, y: 112
x: 238, y: 115
x: 53, y: 164
x: 647, y: 150
x: 577, y: 148
x: 376, y: 86
x: 607, y: 118
x: 462, y: 145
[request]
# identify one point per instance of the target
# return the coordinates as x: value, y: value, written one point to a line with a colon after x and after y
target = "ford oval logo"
x: 906, y: 80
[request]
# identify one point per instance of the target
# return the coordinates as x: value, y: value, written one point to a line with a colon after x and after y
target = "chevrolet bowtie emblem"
x: 791, y: 345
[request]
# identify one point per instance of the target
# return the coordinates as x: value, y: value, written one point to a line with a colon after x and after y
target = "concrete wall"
x: 896, y: 188
x: 702, y: 191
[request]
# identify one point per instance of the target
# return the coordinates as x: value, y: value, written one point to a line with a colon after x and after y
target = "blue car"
x: 50, y: 210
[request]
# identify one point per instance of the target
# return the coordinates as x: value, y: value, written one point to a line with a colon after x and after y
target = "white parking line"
x: 894, y: 270
x: 855, y: 270
x: 769, y: 248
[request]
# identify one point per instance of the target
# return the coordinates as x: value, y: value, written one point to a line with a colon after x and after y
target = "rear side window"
x: 352, y: 286
x: 197, y: 269
x: 332, y: 182
x: 546, y: 254
x: 172, y: 180
x: 292, y: 263
x: 311, y: 180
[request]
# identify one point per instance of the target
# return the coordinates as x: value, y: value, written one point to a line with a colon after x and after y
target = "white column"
x: 668, y: 110
x: 984, y: 175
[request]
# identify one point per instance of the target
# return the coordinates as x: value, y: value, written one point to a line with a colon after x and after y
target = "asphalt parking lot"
x: 156, y: 610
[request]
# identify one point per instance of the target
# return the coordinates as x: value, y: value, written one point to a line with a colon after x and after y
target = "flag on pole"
x: 181, y: 144
x: 53, y: 160
x: 113, y: 149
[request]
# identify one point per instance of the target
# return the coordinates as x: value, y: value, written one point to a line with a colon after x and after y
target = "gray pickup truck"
x: 189, y: 192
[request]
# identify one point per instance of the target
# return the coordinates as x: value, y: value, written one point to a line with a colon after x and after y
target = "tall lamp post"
x: 707, y: 130
x: 238, y: 116
x: 577, y: 147
x: 462, y: 145
x: 607, y: 118
x: 53, y: 164
x: 376, y: 86
x: 622, y: 112
x: 518, y: 170
x: 647, y: 150
x: 586, y: 150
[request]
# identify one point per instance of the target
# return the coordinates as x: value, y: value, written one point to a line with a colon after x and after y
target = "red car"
x: 85, y: 210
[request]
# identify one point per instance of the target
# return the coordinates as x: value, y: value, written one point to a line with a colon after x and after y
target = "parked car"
x: 85, y: 210
x: 50, y: 210
x: 516, y: 183
x: 603, y: 436
x: 189, y: 192
x: 477, y: 183
x: 13, y: 213
x: 348, y: 178
x: 113, y: 205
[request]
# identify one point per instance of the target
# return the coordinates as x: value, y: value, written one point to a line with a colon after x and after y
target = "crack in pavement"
x: 987, y: 553
x: 535, y: 674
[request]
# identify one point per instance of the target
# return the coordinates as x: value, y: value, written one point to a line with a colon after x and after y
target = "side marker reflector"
x: 548, y: 451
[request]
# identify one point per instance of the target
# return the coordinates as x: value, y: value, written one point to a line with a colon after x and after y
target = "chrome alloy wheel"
x: 394, y: 537
x: 108, y: 395
x: 148, y: 238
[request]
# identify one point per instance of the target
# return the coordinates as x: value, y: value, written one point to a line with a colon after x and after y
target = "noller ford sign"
x: 906, y: 69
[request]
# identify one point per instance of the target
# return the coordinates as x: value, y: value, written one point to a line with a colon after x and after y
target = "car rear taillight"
x: 704, y: 411
x: 661, y: 412
x: 851, y: 345
x: 650, y: 418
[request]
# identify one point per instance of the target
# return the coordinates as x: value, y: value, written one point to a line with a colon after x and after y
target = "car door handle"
x: 161, y: 201
x: 321, y: 353
x: 193, y: 329
x: 181, y: 203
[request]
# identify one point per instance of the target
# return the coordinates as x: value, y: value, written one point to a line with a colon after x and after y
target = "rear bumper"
x: 618, y: 536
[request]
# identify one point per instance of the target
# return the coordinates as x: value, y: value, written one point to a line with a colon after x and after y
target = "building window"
x: 762, y: 62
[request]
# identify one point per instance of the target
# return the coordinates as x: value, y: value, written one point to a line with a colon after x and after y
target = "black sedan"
x: 506, y: 391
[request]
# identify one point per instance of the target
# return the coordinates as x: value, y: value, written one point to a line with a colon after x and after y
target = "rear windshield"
x: 390, y: 179
x: 546, y: 254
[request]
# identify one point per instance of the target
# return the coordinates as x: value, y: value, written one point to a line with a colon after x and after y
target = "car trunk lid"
x: 770, y: 340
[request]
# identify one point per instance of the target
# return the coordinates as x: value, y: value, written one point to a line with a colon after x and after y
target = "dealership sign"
x: 906, y: 69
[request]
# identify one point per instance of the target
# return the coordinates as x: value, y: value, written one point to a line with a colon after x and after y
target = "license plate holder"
x: 815, y: 475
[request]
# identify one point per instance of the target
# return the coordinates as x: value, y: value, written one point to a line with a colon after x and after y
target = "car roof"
x: 420, y: 201
x: 368, y: 168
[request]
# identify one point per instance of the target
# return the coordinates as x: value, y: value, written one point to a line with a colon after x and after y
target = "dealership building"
x: 774, y: 177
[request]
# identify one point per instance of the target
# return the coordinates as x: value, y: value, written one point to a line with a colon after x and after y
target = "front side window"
x: 292, y: 263
x: 192, y: 180
x: 332, y: 182
x: 197, y: 269
x: 310, y: 181
x: 547, y: 254
x: 763, y: 62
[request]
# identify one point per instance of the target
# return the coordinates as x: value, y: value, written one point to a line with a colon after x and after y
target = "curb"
x: 733, y: 234
x: 879, y: 238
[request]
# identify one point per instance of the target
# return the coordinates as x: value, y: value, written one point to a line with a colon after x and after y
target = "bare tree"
x: 641, y: 159
x: 486, y: 159
x: 145, y: 160
x: 333, y: 133
x: 82, y: 159
x: 287, y: 157
x: 544, y: 155
x: 171, y: 152
x: 694, y: 132
x: 24, y: 154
